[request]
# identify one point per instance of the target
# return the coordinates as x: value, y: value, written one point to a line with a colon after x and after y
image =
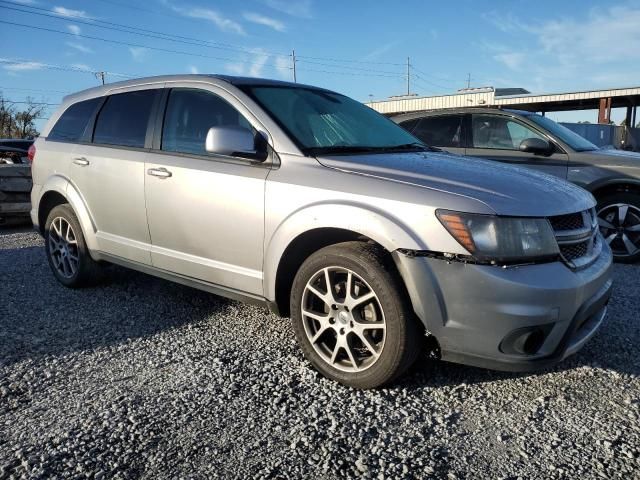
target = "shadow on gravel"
x: 40, y: 317
x: 11, y: 228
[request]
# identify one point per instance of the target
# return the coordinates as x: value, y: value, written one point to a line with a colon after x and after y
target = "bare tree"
x: 16, y: 123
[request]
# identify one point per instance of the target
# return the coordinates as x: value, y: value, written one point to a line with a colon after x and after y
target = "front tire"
x: 352, y: 317
x: 67, y: 251
x: 619, y: 220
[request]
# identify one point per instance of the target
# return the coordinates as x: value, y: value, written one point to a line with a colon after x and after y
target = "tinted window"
x: 70, y: 126
x: 123, y: 119
x: 445, y: 131
x: 572, y: 139
x: 189, y: 116
x: 494, y: 131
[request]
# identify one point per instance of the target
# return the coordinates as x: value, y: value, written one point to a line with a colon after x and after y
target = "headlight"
x: 491, y: 238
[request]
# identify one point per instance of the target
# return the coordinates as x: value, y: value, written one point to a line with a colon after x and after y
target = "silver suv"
x: 306, y: 201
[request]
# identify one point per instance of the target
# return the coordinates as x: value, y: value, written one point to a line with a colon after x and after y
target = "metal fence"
x: 611, y: 136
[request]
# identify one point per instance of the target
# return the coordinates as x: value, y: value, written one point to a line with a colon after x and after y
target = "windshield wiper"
x: 369, y: 149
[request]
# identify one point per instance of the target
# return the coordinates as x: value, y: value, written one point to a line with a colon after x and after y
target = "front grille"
x: 571, y: 252
x: 573, y: 221
x: 577, y: 237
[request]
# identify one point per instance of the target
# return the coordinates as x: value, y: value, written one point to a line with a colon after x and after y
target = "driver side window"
x: 498, y: 132
x: 190, y: 114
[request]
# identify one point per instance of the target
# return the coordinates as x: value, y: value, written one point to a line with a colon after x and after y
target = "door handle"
x: 159, y: 172
x: 83, y: 162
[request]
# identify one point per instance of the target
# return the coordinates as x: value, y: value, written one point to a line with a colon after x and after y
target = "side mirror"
x: 537, y: 146
x: 235, y: 141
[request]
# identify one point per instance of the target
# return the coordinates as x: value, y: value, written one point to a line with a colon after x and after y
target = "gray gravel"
x: 144, y: 378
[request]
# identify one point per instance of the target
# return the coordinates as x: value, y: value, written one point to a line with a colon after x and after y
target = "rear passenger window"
x: 444, y: 131
x: 71, y: 124
x: 189, y: 116
x: 123, y: 119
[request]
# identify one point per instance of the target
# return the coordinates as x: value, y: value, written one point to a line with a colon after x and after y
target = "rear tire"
x: 67, y: 250
x: 361, y: 332
x: 619, y: 219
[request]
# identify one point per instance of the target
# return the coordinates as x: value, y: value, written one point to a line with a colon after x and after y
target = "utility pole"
x: 293, y: 59
x: 408, y: 77
x: 468, y: 80
x: 100, y: 75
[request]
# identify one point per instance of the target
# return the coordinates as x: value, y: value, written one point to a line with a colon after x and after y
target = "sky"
x: 360, y: 48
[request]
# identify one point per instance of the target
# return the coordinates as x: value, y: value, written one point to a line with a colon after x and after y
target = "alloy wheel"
x: 343, y: 319
x: 620, y: 226
x: 63, y: 247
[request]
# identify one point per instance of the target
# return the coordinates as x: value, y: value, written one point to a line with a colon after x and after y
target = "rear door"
x: 442, y: 131
x: 108, y: 171
x: 498, y: 137
x: 205, y: 211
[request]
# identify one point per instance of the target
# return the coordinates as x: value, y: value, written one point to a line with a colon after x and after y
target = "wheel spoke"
x: 319, y: 294
x: 611, y: 238
x: 622, y: 214
x: 634, y: 228
x: 628, y: 244
x: 356, y: 302
x: 316, y: 316
x: 334, y: 355
x: 351, y: 357
x: 603, y: 223
x: 56, y: 228
x: 327, y: 278
x: 365, y: 341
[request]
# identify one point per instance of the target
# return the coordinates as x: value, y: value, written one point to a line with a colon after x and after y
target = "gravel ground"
x: 144, y: 378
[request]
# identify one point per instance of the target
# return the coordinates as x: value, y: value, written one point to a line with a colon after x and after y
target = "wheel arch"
x: 311, y: 229
x: 58, y: 190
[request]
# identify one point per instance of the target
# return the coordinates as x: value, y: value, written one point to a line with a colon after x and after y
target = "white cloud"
x: 68, y: 12
x: 26, y: 2
x: 295, y: 8
x: 138, y: 53
x: 193, y: 69
x: 378, y: 52
x: 264, y: 20
x: 512, y: 60
x: 220, y: 21
x: 23, y: 66
x: 75, y: 29
x: 79, y: 47
x: 283, y: 67
x: 82, y: 66
x: 235, y: 68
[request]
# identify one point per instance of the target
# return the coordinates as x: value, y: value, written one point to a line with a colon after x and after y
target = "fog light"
x: 525, y: 341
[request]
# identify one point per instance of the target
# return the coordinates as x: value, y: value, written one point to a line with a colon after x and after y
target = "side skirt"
x: 184, y: 280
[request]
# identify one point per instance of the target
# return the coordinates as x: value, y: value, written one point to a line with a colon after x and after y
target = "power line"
x: 349, y: 67
x: 132, y: 30
x: 66, y: 68
x: 128, y: 44
x: 32, y: 90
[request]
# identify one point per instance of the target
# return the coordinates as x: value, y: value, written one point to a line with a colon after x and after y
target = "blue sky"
x: 359, y: 48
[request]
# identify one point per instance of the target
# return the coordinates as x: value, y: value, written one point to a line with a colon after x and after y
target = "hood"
x: 507, y: 190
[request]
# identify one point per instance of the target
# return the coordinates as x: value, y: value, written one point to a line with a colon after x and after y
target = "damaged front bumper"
x: 514, y: 318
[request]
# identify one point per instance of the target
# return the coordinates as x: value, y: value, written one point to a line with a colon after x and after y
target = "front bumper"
x: 475, y: 311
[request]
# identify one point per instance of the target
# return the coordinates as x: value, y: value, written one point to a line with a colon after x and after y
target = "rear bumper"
x: 479, y: 314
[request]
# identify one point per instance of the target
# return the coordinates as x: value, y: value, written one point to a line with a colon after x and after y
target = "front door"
x: 205, y: 211
x: 498, y: 137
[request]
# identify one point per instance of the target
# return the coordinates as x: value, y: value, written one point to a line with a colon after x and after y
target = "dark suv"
x: 531, y: 140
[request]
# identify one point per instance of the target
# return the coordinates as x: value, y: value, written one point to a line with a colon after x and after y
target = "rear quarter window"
x: 123, y: 119
x: 72, y: 123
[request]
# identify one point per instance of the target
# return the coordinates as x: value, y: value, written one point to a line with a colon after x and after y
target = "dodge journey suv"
x: 310, y: 203
x: 531, y: 140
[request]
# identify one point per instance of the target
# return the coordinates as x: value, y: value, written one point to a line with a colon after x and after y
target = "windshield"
x: 575, y: 141
x: 325, y: 122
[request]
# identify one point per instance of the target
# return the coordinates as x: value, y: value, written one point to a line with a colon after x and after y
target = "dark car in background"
x: 534, y: 141
x: 15, y: 180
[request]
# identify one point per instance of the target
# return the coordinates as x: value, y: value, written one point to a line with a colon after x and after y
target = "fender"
x: 64, y: 187
x: 377, y: 225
